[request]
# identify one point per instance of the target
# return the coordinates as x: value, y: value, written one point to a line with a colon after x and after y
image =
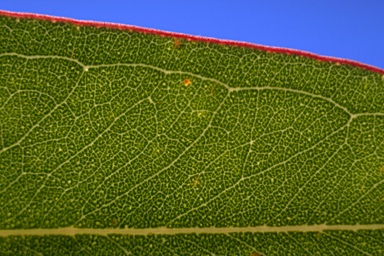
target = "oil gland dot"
x: 187, y: 82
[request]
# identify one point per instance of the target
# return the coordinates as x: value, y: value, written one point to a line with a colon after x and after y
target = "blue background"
x: 349, y: 29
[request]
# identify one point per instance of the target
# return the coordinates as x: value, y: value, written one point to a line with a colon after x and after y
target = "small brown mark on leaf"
x: 178, y: 42
x: 114, y: 222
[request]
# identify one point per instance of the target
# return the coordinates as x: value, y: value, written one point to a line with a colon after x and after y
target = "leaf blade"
x: 103, y: 131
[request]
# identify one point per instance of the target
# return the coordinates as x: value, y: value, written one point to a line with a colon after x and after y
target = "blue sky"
x: 349, y: 29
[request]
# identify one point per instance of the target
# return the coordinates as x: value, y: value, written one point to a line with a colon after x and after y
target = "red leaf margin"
x: 191, y: 38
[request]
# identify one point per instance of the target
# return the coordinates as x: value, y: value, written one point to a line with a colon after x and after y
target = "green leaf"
x: 118, y: 140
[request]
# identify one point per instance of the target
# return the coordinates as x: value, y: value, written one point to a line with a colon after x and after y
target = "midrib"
x: 71, y: 231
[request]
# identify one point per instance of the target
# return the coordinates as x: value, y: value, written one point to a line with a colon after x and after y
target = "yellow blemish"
x: 111, y: 115
x: 195, y: 181
x: 212, y: 90
x: 78, y: 28
x: 382, y: 168
x: 337, y: 63
x: 199, y: 114
x: 53, y: 21
x: 187, y: 82
x: 17, y: 20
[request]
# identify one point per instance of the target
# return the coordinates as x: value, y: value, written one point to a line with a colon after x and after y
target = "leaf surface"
x: 115, y: 140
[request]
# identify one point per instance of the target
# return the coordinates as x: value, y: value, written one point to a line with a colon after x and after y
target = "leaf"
x: 121, y: 140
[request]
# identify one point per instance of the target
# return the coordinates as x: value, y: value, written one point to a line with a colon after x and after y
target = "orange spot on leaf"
x: 187, y: 82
